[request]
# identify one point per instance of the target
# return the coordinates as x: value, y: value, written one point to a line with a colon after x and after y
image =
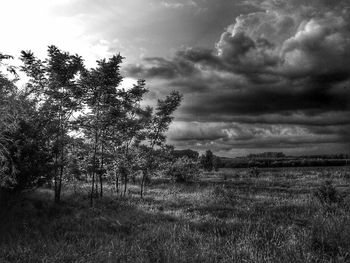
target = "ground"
x: 234, y: 215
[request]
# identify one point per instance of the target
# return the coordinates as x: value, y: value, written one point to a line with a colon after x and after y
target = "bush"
x: 330, y: 235
x: 327, y: 194
x: 225, y: 195
x: 183, y: 170
x: 253, y: 172
x: 31, y: 161
x: 346, y: 175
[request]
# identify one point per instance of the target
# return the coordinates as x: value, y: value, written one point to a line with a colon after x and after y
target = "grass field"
x: 236, y: 215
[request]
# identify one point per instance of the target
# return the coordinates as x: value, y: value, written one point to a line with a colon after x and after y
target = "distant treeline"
x: 267, y: 155
x: 281, y: 162
x: 273, y: 159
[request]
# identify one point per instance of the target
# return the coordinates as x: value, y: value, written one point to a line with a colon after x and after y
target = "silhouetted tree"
x: 207, y: 161
x: 54, y: 83
x: 101, y: 101
x: 128, y: 130
x: 25, y: 159
x: 8, y: 120
x: 217, y: 163
x: 158, y: 125
x: 183, y: 169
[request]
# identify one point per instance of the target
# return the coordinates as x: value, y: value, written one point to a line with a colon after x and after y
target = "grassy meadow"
x: 234, y: 215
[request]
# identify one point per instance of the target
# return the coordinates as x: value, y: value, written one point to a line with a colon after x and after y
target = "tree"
x: 30, y: 156
x: 217, y: 163
x: 158, y: 125
x: 188, y: 153
x: 183, y: 170
x: 128, y: 130
x: 54, y: 84
x: 8, y: 120
x: 24, y: 156
x: 101, y: 101
x: 69, y: 119
x: 207, y: 161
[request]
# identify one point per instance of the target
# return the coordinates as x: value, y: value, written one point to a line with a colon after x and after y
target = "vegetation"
x: 69, y: 119
x: 73, y: 136
x: 210, y: 162
x: 272, y: 218
x: 183, y: 170
x: 298, y: 161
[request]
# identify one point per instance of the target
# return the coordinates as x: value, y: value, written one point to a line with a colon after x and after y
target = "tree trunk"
x: 141, y: 191
x: 96, y: 187
x: 101, y: 185
x: 59, y: 186
x: 144, y: 174
x: 56, y: 197
x: 101, y: 173
x: 92, y: 189
x: 59, y: 189
x: 125, y: 182
x: 59, y: 138
x: 125, y: 185
x: 116, y: 182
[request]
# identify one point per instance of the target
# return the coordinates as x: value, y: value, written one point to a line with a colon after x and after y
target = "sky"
x: 256, y: 75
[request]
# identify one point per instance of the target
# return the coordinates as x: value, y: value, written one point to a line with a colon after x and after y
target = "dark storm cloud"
x: 326, y: 119
x: 266, y: 101
x: 198, y: 132
x: 228, y: 136
x: 286, y: 64
x: 161, y: 68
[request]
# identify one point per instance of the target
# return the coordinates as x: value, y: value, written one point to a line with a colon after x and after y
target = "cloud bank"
x: 276, y: 78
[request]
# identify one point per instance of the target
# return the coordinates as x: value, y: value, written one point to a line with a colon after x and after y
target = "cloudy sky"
x: 256, y: 75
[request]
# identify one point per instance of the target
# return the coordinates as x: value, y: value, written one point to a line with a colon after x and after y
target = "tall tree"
x: 207, y: 161
x: 25, y: 159
x: 8, y: 118
x: 158, y: 125
x: 55, y: 85
x: 128, y: 129
x: 101, y: 101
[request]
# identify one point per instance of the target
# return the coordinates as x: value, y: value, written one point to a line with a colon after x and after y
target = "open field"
x: 236, y: 215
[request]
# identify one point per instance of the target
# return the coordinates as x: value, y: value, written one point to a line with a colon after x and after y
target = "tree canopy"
x: 69, y: 120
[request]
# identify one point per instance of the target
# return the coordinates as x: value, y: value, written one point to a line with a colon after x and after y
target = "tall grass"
x: 241, y: 219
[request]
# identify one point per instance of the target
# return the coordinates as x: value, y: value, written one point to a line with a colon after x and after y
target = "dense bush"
x: 330, y: 235
x: 254, y: 172
x: 327, y: 194
x: 183, y: 170
x: 226, y: 195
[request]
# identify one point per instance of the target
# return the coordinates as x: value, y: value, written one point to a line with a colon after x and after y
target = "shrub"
x: 183, y: 170
x: 224, y: 194
x: 346, y: 175
x: 330, y: 235
x: 327, y: 194
x: 253, y: 172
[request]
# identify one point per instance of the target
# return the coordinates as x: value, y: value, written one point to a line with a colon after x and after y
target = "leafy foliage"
x: 226, y: 195
x: 9, y: 111
x: 55, y: 89
x: 207, y: 161
x: 183, y: 169
x: 70, y: 123
x: 327, y: 194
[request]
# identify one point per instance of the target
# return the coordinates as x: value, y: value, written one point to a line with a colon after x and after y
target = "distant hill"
x: 273, y: 159
x: 267, y: 155
x: 280, y: 160
x: 189, y: 153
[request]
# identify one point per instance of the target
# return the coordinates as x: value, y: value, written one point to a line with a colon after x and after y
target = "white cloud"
x: 35, y: 24
x: 175, y: 5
